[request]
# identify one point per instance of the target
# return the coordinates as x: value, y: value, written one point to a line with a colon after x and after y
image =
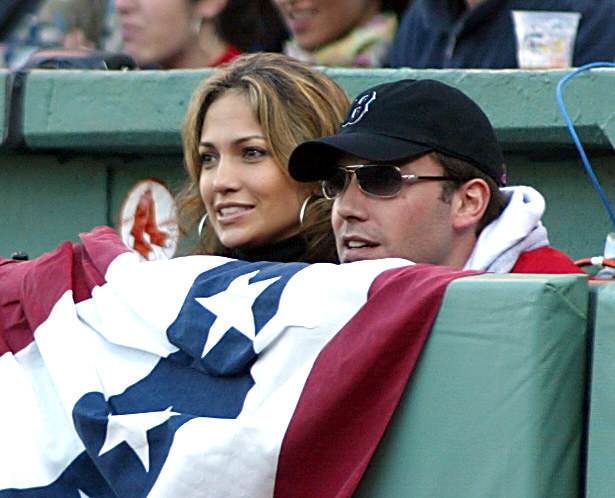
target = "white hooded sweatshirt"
x: 517, y: 230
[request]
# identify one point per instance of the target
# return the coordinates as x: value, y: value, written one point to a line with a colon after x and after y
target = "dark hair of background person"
x: 292, y: 102
x: 11, y: 13
x: 396, y: 6
x: 251, y: 25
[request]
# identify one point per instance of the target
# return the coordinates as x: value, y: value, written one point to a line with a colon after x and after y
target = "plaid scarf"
x: 367, y: 45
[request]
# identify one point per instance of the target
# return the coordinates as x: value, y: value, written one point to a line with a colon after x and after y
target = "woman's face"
x: 157, y: 32
x: 314, y: 23
x: 249, y: 200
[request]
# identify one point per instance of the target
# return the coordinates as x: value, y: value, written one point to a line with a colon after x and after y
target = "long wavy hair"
x: 292, y: 102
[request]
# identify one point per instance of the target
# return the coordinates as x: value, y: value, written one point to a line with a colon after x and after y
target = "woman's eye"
x: 254, y: 152
x: 207, y: 160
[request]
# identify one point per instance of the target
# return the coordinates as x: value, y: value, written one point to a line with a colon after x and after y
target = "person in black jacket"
x: 481, y: 33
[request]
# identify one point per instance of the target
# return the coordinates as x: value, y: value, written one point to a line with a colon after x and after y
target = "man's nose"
x: 351, y: 204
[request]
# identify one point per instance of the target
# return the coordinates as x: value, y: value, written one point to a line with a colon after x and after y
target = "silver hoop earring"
x: 202, y: 224
x: 197, y: 25
x: 303, y: 208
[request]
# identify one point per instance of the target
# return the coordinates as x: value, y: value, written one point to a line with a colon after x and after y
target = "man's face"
x: 416, y: 225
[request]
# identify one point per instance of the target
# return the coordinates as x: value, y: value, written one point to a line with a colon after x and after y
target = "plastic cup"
x: 545, y: 39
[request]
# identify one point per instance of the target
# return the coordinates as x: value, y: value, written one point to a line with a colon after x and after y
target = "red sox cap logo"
x: 359, y: 108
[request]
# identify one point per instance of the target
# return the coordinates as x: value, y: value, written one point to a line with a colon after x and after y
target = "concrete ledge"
x: 521, y: 104
x: 139, y: 111
x: 142, y: 111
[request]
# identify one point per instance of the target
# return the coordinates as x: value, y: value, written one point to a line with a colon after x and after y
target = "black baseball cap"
x: 402, y: 120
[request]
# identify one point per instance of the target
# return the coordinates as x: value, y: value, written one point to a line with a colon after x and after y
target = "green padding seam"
x: 601, y: 439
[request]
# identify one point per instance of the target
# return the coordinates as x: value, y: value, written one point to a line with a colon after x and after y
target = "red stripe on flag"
x: 356, y: 383
x: 30, y: 289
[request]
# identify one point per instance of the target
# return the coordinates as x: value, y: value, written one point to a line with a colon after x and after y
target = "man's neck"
x: 473, y: 3
x: 461, y: 249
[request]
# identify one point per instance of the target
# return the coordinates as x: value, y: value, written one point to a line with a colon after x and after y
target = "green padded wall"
x: 495, y: 405
x: 601, y: 437
x: 142, y: 111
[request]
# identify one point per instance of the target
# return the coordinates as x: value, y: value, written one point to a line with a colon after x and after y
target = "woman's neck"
x: 211, y: 45
x: 284, y: 251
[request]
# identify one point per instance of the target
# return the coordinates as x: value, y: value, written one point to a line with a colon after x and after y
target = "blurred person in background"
x: 56, y: 24
x: 90, y: 24
x: 176, y: 34
x: 347, y: 33
x: 487, y: 34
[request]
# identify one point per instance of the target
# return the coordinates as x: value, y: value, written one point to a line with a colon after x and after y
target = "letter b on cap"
x: 359, y: 108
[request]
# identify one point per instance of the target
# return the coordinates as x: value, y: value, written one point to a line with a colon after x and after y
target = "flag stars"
x: 132, y: 429
x: 233, y: 308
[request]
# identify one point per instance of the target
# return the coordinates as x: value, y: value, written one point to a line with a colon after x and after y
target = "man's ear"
x: 469, y: 203
x: 208, y: 9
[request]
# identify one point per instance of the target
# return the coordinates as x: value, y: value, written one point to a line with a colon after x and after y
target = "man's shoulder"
x: 545, y: 260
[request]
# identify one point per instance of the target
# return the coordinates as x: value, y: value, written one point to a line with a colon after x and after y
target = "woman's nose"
x: 227, y: 175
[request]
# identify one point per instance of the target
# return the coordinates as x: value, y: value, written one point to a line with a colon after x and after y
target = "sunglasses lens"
x: 334, y: 186
x: 382, y: 181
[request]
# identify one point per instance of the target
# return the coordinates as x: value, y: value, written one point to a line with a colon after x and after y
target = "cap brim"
x: 315, y: 160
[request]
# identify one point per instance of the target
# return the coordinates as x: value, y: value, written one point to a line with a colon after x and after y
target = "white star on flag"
x: 233, y: 308
x: 133, y: 428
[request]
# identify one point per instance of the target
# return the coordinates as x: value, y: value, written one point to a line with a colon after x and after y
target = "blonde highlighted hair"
x: 292, y: 102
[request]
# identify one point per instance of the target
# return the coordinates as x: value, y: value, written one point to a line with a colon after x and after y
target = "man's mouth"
x: 298, y: 15
x: 357, y: 244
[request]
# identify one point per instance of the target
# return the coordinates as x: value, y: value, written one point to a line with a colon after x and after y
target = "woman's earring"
x: 202, y: 224
x: 197, y: 25
x: 303, y: 208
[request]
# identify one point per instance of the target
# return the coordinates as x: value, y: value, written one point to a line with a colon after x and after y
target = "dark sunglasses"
x: 379, y: 180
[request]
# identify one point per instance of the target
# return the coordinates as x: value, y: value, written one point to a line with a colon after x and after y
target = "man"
x: 415, y: 172
x: 482, y: 33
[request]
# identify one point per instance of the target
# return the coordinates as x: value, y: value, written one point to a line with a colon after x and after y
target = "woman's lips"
x: 299, y: 21
x: 231, y: 213
x: 130, y: 31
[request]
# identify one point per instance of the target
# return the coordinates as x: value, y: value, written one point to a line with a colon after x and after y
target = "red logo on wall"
x: 148, y: 220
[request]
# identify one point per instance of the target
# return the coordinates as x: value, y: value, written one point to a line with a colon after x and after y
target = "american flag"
x: 201, y: 375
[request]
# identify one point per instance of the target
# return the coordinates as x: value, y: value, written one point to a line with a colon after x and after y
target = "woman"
x: 350, y: 33
x: 240, y: 128
x: 185, y: 34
